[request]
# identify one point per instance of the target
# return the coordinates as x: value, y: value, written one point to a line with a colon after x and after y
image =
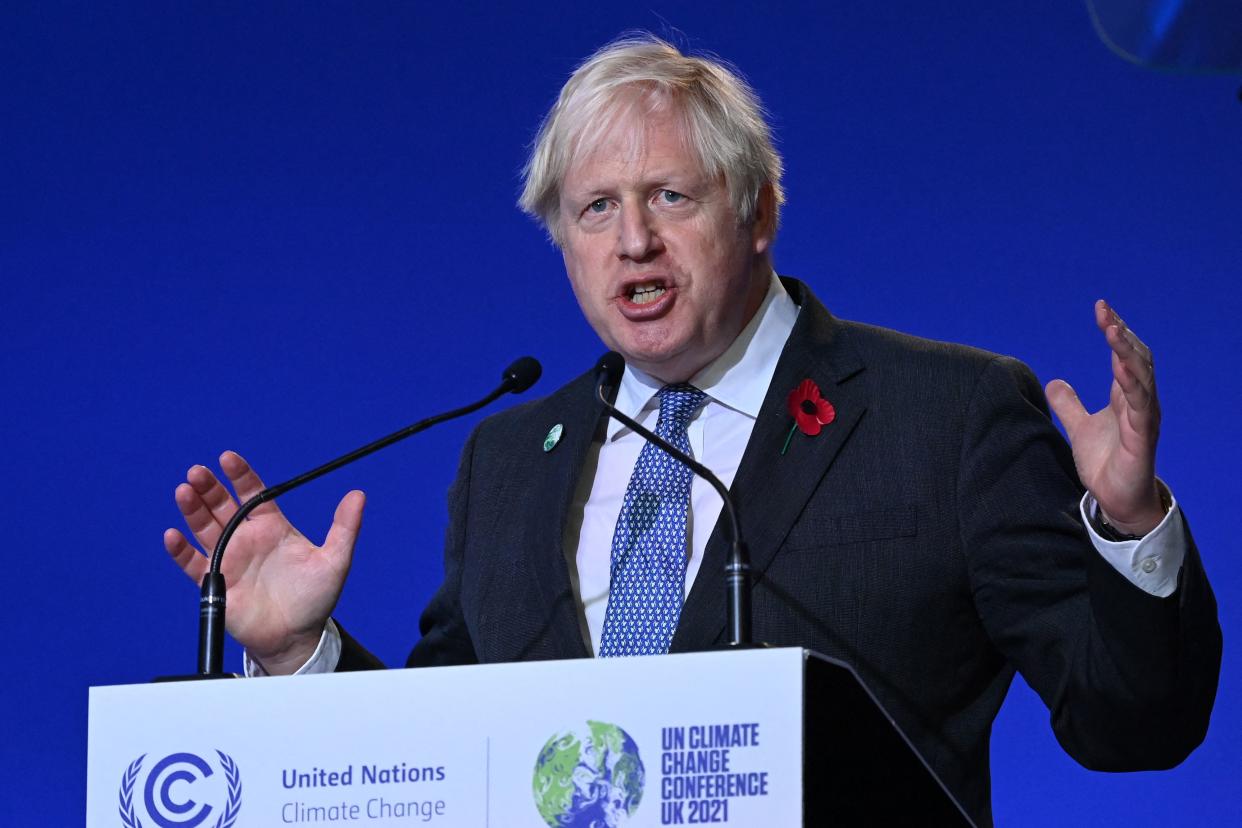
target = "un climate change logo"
x: 588, y: 779
x: 171, y: 805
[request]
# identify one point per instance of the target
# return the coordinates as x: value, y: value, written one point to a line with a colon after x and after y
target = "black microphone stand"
x: 518, y: 377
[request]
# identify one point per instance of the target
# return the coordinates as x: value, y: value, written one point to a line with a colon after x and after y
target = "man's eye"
x: 599, y: 205
x: 671, y: 196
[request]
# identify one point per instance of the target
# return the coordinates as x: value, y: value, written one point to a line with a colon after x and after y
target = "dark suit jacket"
x: 930, y: 536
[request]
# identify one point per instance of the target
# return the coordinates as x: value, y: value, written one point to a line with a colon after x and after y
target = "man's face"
x: 662, y: 269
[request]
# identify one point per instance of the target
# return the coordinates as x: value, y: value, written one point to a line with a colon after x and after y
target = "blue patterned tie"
x: 649, y: 543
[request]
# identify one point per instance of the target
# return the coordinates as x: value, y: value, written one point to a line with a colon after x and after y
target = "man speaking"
x: 909, y: 506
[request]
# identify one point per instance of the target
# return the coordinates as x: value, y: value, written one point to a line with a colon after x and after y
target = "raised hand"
x: 281, y: 587
x: 1115, y: 448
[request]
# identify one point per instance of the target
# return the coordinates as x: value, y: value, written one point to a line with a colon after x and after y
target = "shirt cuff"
x: 1151, y: 562
x: 324, y: 660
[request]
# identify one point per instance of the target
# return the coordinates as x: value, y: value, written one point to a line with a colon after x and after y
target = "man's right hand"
x: 281, y: 587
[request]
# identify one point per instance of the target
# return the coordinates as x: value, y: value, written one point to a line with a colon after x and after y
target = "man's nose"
x: 638, y: 234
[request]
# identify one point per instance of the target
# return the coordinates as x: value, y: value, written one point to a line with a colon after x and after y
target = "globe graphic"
x: 590, y: 778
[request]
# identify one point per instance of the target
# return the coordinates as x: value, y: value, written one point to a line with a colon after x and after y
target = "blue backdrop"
x: 289, y: 229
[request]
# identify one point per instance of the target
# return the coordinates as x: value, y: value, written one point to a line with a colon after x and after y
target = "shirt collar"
x: 738, y: 378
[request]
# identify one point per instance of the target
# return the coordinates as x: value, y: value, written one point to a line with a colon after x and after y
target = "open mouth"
x: 646, y: 299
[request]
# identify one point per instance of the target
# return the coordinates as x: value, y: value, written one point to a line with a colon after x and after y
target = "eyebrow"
x: 660, y: 179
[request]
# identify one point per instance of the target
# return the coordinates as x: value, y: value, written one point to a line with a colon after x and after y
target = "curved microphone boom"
x: 608, y: 372
x: 519, y: 376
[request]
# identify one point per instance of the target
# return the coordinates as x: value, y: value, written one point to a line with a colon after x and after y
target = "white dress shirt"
x: 736, y: 384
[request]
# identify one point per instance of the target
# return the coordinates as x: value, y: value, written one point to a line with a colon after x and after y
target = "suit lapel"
x: 580, y: 416
x: 771, y: 489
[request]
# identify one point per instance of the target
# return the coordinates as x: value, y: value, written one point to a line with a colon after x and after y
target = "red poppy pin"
x: 810, y: 411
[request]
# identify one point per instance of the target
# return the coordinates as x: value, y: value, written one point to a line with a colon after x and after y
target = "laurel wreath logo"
x: 232, y: 806
x: 128, y: 818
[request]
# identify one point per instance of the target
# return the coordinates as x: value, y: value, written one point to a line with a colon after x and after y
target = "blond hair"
x: 724, y: 120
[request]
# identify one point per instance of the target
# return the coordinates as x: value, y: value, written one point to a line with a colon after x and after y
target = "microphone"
x: 608, y: 372
x: 519, y: 376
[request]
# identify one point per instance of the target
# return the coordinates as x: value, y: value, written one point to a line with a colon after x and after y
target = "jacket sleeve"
x: 1129, y: 678
x: 445, y: 636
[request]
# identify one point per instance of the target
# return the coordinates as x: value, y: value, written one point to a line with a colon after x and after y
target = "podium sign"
x: 704, y: 738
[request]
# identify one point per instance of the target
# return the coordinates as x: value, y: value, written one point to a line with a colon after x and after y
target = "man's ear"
x: 763, y: 227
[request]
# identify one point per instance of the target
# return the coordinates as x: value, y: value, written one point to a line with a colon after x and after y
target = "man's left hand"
x: 1115, y: 448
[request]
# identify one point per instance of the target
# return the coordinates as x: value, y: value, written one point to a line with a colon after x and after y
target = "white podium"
x: 705, y: 738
